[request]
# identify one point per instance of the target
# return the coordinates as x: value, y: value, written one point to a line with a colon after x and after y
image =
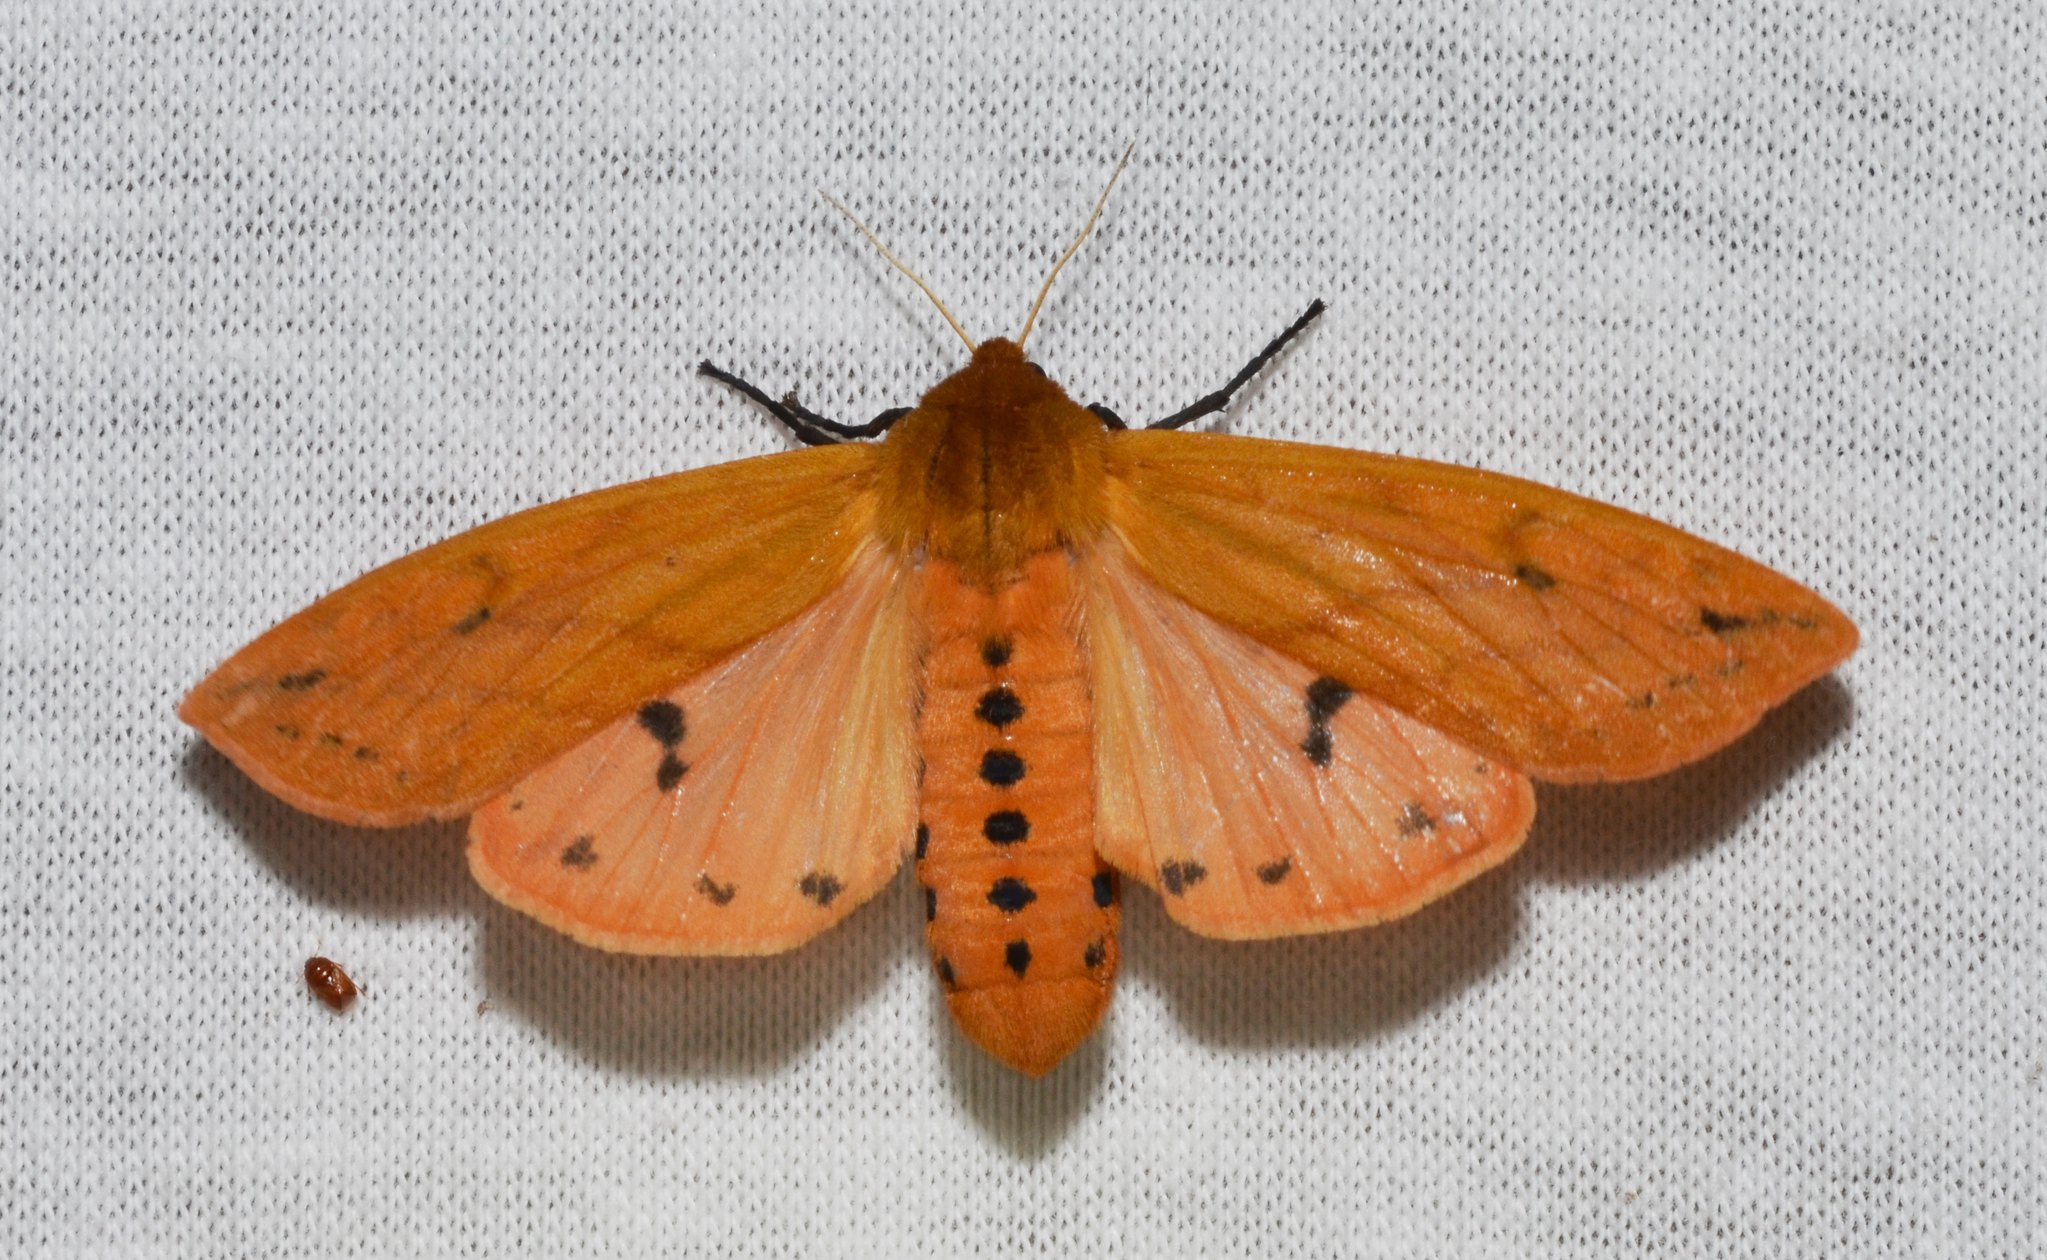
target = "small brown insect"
x: 329, y: 982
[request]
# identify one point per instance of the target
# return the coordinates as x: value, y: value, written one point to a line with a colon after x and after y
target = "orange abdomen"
x: 1022, y: 914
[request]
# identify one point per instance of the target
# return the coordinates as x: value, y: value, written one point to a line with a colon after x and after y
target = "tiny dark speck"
x: 581, y: 855
x: 287, y: 730
x: 820, y: 887
x: 1018, y: 955
x: 1721, y: 623
x: 516, y: 806
x: 365, y: 754
x: 332, y: 737
x: 1273, y: 872
x: 1178, y: 876
x: 1414, y: 819
x: 719, y: 894
x: 1647, y: 700
x: 1533, y: 578
x: 299, y: 682
x: 1097, y: 951
x: 471, y: 623
x: 995, y: 651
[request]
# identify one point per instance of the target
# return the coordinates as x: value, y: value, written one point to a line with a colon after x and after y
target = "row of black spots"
x: 1176, y: 876
x: 1016, y: 955
x: 1323, y: 698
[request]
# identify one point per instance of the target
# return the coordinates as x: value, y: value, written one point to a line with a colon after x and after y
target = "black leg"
x: 809, y: 428
x: 1221, y: 398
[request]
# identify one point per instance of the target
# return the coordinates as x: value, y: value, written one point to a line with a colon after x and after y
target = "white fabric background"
x: 291, y: 289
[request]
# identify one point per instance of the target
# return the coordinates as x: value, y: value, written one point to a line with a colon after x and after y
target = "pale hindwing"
x: 1262, y: 799
x: 741, y: 813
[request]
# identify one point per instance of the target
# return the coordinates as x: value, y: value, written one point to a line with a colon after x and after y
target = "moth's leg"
x: 808, y: 427
x: 1221, y: 398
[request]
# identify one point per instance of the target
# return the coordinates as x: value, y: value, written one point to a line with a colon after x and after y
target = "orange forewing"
x: 424, y: 688
x: 1260, y: 800
x: 1572, y: 640
x: 741, y: 813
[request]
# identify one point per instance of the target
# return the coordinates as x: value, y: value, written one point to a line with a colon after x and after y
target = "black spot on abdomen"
x: 1017, y: 954
x: 1006, y: 826
x: 1010, y: 895
x: 999, y: 707
x: 1001, y: 768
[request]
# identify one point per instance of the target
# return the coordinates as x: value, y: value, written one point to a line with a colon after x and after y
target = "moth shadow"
x: 1029, y: 1118
x: 1325, y: 990
x: 1610, y: 831
x: 1352, y: 986
x: 697, y: 1017
x: 391, y: 873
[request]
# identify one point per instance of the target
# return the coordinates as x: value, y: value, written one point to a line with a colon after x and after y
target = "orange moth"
x: 1292, y: 689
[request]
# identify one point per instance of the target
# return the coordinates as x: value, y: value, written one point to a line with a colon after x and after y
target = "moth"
x: 330, y: 983
x: 1290, y: 688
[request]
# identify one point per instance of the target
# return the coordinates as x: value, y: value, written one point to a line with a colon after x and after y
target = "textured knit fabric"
x: 290, y: 289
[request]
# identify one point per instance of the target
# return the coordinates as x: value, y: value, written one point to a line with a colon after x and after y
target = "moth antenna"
x: 1074, y: 248
x: 897, y: 263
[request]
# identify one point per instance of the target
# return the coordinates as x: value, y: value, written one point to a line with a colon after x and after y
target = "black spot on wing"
x: 1533, y: 578
x: 1273, y: 872
x: 663, y: 720
x: 1720, y: 622
x: 1414, y: 819
x: 301, y: 682
x: 1010, y: 895
x: 1324, y: 697
x: 669, y: 772
x: 1177, y: 876
x: 719, y: 894
x: 930, y: 903
x: 820, y: 887
x: 999, y: 707
x: 580, y: 856
x: 474, y: 621
x: 364, y: 753
x: 289, y: 731
x: 1017, y: 954
x: 923, y: 840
